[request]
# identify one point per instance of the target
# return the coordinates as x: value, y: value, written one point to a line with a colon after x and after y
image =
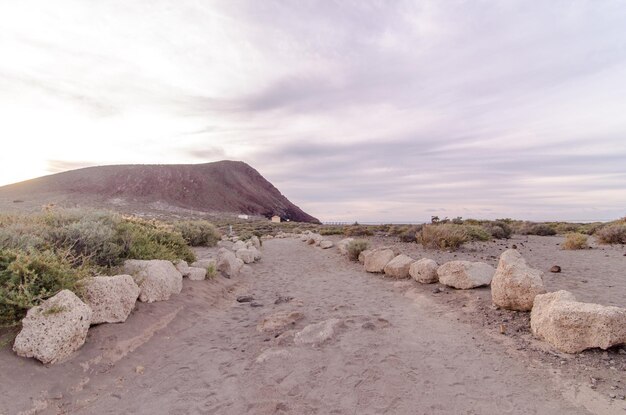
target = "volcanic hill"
x: 223, y: 186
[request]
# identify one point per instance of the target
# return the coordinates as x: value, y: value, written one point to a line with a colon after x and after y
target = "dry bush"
x: 612, y: 234
x: 445, y: 236
x: 540, y: 229
x: 355, y: 248
x: 357, y: 230
x: 409, y: 233
x: 499, y: 229
x: 575, y: 241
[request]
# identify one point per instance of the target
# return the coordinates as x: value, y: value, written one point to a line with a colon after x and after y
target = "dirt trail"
x: 395, y: 354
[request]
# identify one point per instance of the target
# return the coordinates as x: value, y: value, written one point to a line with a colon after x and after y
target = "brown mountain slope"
x: 223, y: 186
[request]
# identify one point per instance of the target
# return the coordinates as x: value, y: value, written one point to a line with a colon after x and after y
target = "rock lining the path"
x: 111, y: 299
x: 399, y: 266
x: 54, y: 330
x: 571, y: 326
x: 515, y: 285
x: 424, y: 271
x: 157, y: 279
x: 464, y: 275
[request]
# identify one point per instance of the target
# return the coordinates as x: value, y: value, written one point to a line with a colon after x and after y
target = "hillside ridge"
x: 222, y: 186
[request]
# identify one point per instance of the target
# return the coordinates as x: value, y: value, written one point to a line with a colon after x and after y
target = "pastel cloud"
x: 361, y: 110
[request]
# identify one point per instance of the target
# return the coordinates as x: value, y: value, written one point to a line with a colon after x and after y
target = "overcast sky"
x: 355, y: 110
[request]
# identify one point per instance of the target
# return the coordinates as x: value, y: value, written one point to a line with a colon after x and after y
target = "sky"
x: 355, y: 110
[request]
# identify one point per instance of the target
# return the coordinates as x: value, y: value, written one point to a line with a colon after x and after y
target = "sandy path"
x: 394, y: 354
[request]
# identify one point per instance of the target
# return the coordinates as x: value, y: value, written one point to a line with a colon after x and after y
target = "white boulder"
x: 342, y: 245
x: 256, y: 242
x: 54, y: 330
x: 571, y: 326
x: 157, y: 279
x: 325, y: 244
x: 315, y: 239
x: 246, y: 255
x: 111, y: 299
x: 196, y: 274
x: 376, y: 260
x: 362, y: 255
x: 205, y: 263
x: 515, y: 285
x: 464, y: 275
x: 182, y: 267
x: 228, y: 263
x: 399, y: 266
x: 238, y: 245
x: 424, y: 271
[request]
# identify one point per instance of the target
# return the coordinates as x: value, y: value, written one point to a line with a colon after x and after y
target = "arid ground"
x: 402, y: 348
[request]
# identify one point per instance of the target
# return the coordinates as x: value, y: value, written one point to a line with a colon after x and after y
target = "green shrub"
x: 198, y: 232
x: 151, y: 240
x: 612, y: 234
x: 477, y: 233
x: 499, y: 229
x: 90, y: 237
x: 211, y: 271
x: 444, y: 236
x: 331, y: 230
x: 355, y: 248
x: 28, y: 278
x: 575, y: 241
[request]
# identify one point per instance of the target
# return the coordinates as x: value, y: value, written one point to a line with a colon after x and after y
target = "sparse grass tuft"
x: 356, y: 247
x: 575, y: 241
x: 211, y: 271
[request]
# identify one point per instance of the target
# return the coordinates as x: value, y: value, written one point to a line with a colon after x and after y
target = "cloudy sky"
x: 355, y: 110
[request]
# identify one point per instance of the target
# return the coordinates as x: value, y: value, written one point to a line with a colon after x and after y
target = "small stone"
x: 368, y: 326
x: 139, y: 370
x: 245, y: 299
x: 255, y: 304
x: 555, y: 269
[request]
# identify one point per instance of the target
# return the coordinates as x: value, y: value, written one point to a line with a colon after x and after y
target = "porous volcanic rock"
x: 111, y: 298
x: 515, y: 285
x: 55, y: 329
x: 465, y: 275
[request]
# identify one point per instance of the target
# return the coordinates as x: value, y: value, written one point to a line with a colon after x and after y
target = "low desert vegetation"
x: 575, y: 241
x: 612, y: 234
x: 355, y: 248
x: 28, y: 277
x: 443, y: 236
x: 198, y: 232
x: 211, y: 271
x: 41, y: 254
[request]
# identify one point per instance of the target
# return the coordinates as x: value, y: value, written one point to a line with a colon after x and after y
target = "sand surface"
x: 399, y: 349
